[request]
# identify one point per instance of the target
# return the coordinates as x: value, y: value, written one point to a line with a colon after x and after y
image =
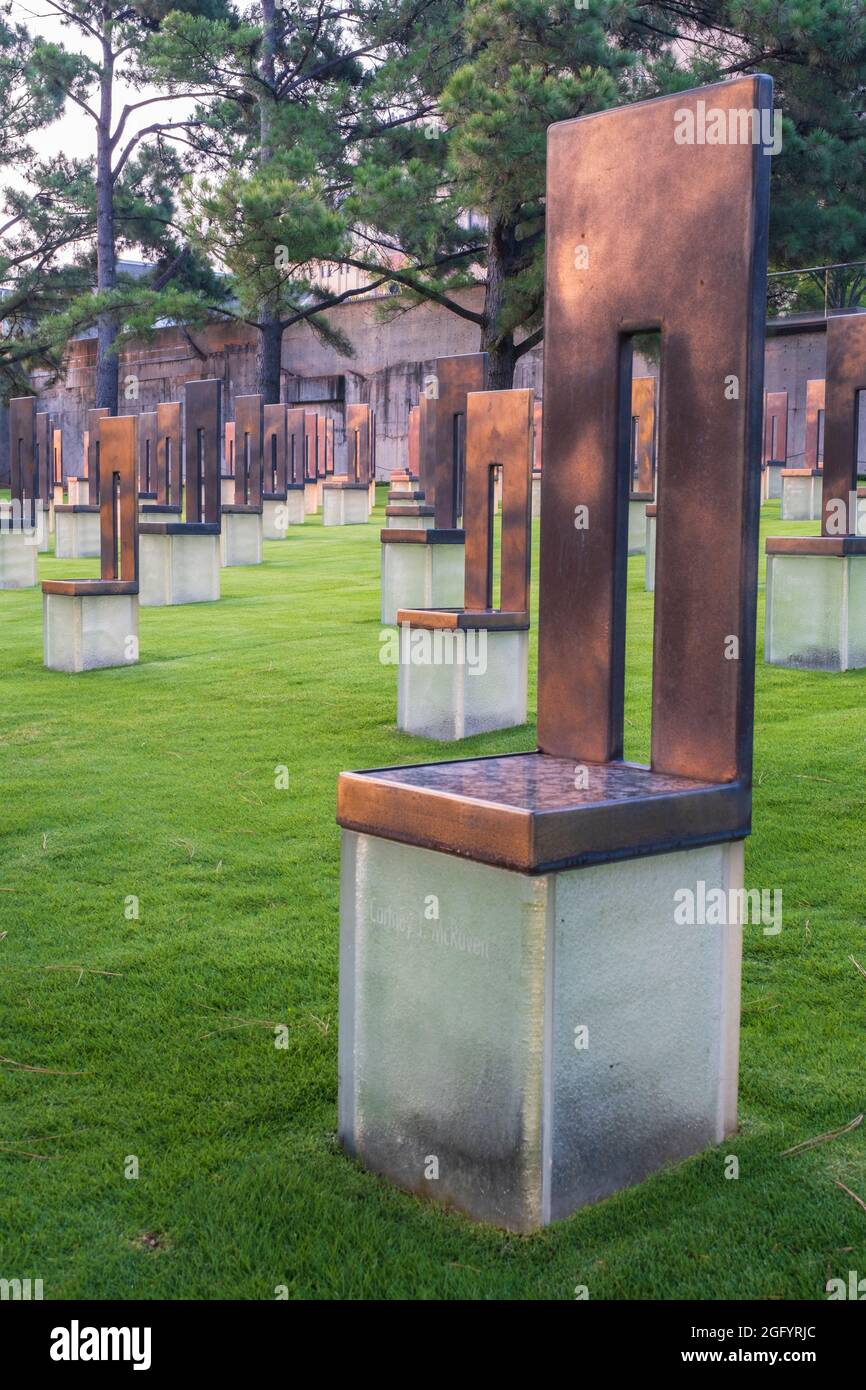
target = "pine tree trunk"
x: 268, y: 349
x: 270, y: 331
x: 498, y: 346
x: 106, y: 269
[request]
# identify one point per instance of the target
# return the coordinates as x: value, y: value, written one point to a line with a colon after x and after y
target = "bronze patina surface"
x: 690, y: 264
x: 92, y: 453
x: 414, y: 451
x: 147, y: 455
x: 538, y: 416
x: 249, y: 456
x: 24, y: 483
x: 814, y: 421
x: 845, y: 377
x: 229, y: 450
x: 643, y: 424
x: 775, y: 427
x: 321, y: 446
x: 498, y: 436
x: 276, y: 441
x: 311, y: 446
x: 44, y: 457
x: 359, y: 443
x: 57, y: 457
x: 443, y: 426
x: 295, y: 447
x: 118, y: 513
x: 329, y: 448
x: 202, y: 437
x: 169, y: 465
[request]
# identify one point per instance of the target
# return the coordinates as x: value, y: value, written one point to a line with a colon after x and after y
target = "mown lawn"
x: 154, y: 1037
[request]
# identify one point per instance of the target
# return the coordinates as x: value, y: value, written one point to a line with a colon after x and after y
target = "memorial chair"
x: 422, y: 564
x: 346, y: 499
x: 802, y: 487
x: 816, y: 585
x: 463, y: 671
x: 311, y: 462
x: 77, y: 531
x: 20, y: 519
x: 180, y: 556
x: 275, y: 512
x: 295, y: 454
x: 500, y: 913
x: 90, y: 623
x: 241, y: 536
x: 642, y: 477
x: 775, y: 451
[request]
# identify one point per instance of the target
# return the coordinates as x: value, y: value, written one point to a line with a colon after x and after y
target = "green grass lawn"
x: 155, y: 1037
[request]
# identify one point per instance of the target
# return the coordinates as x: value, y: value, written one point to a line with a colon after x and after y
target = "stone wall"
x: 386, y: 370
x: 389, y: 361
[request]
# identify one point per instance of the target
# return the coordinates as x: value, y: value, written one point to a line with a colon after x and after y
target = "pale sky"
x: 74, y: 132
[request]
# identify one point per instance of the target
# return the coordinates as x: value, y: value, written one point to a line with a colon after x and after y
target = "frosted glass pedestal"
x: 421, y: 576
x: 241, y: 538
x: 44, y: 527
x: 18, y: 566
x: 453, y: 683
x: 345, y: 504
x: 536, y: 496
x: 295, y: 504
x: 76, y: 533
x: 816, y: 611
x: 637, y: 524
x: 650, y: 566
x: 319, y: 489
x: 772, y: 480
x: 311, y: 499
x: 227, y: 490
x: 177, y: 567
x: 801, y: 494
x: 409, y: 516
x: 84, y: 632
x: 466, y: 1076
x: 275, y: 518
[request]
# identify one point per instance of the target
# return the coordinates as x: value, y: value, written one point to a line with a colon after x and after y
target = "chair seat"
x: 532, y: 813
x: 89, y: 588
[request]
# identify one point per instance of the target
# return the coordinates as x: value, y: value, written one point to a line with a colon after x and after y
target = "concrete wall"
x: 390, y: 359
x: 386, y: 370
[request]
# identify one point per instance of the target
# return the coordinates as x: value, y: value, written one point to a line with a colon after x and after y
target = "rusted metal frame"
x: 311, y: 446
x: 814, y: 414
x: 643, y: 432
x: 44, y: 457
x: 704, y: 298
x: 498, y: 435
x: 444, y: 424
x: 24, y: 482
x: 202, y: 438
x: 249, y: 458
x: 94, y: 416
x: 169, y: 460
x: 275, y: 451
x: 118, y: 505
x: 775, y: 448
x: 845, y: 377
x: 147, y: 454
x: 295, y: 447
